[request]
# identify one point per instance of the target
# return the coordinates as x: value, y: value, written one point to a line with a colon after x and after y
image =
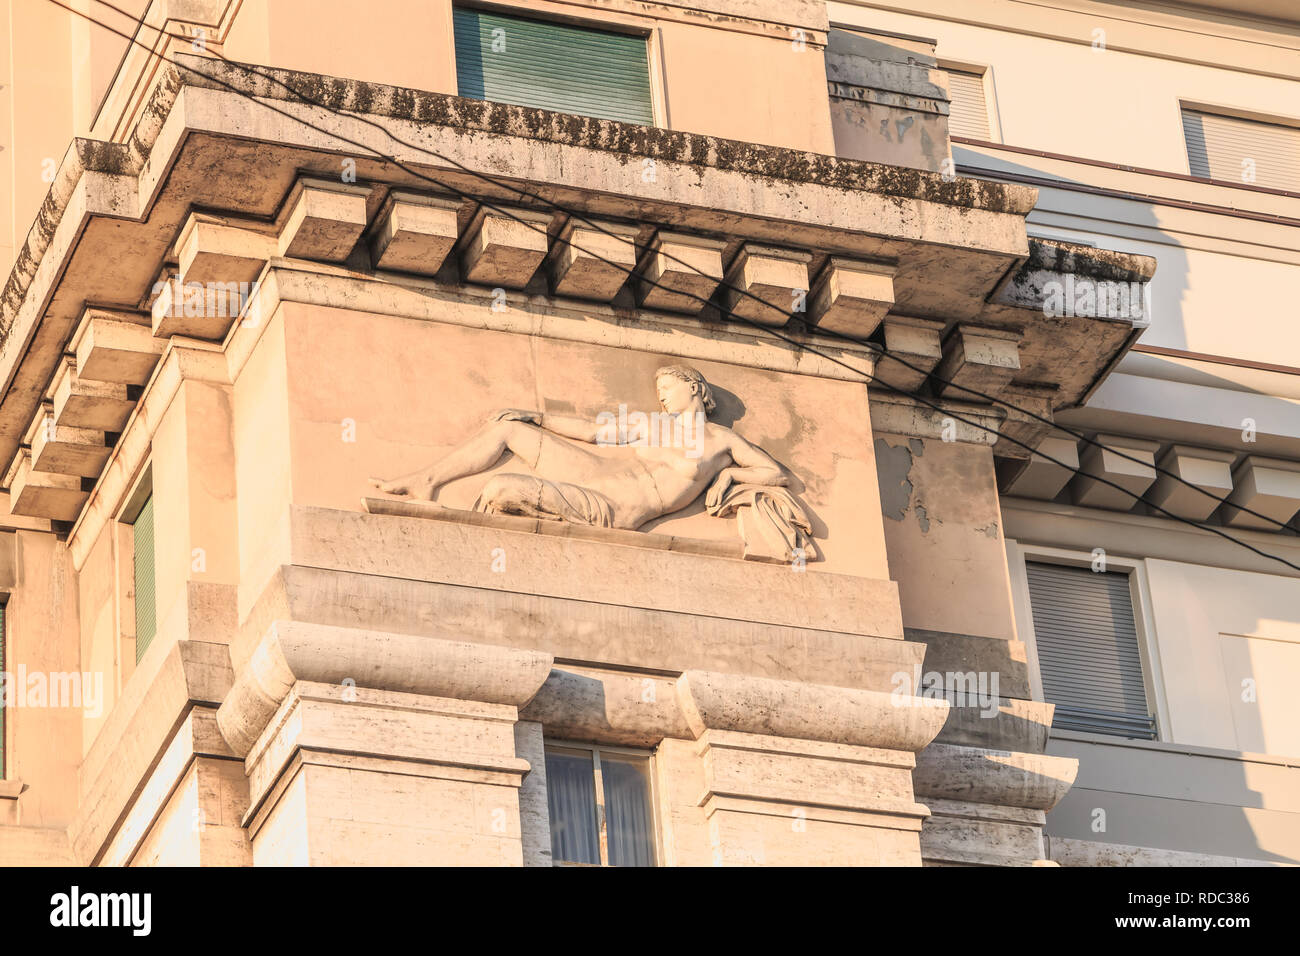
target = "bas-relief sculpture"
x: 647, y: 476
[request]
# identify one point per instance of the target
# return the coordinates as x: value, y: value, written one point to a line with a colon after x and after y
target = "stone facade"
x: 209, y: 316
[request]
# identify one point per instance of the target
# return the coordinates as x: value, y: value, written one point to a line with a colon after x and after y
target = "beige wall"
x: 943, y: 529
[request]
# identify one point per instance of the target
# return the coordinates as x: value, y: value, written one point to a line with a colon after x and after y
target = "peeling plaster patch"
x: 990, y: 530
x: 922, y: 518
x: 917, y: 446
x: 892, y: 467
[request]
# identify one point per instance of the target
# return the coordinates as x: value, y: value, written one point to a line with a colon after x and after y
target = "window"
x: 1089, y: 659
x: 969, y: 110
x: 600, y: 806
x: 146, y: 610
x: 1247, y: 151
x: 553, y: 66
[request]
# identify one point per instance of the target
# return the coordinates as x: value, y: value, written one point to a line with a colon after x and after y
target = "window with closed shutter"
x: 1245, y: 151
x: 146, y: 610
x: 969, y: 110
x: 1087, y: 642
x: 553, y: 66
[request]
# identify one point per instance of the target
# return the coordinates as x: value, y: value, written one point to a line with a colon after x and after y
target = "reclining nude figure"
x: 642, y: 481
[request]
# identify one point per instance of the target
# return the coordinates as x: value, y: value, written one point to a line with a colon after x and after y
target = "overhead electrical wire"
x: 868, y: 377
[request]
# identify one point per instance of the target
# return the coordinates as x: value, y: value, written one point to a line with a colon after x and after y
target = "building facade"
x: 634, y: 434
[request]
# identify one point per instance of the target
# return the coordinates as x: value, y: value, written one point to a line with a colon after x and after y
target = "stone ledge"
x: 584, y: 632
x: 292, y: 652
x: 584, y: 564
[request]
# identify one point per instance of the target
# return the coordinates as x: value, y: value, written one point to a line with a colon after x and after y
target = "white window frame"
x: 1144, y: 623
x: 985, y: 72
x: 602, y: 838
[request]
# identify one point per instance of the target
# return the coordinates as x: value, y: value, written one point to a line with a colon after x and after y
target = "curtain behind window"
x: 571, y: 797
x: 627, y: 810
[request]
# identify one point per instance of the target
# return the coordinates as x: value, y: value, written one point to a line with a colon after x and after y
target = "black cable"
x: 868, y: 377
x: 1078, y: 436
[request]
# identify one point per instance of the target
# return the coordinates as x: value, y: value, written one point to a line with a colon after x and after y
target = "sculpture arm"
x: 754, y: 466
x: 578, y: 429
x: 564, y: 425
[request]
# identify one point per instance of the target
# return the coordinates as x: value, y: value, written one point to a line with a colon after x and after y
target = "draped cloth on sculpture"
x: 534, y: 497
x: 775, y: 527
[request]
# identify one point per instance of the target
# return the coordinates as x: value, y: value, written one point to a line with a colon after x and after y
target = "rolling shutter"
x: 969, y: 112
x: 146, y: 609
x: 553, y: 66
x: 1217, y: 147
x: 1088, y: 650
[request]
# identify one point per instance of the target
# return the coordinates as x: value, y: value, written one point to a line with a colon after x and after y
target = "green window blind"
x: 553, y: 66
x: 146, y: 609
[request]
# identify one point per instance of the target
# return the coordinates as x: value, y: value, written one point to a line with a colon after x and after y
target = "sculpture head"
x: 678, y: 384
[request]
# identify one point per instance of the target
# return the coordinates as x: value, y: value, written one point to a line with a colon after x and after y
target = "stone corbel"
x: 760, y: 705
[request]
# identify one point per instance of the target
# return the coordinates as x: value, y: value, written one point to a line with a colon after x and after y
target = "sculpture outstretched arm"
x: 576, y: 428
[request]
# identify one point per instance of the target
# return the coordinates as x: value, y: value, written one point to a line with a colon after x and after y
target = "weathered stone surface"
x: 415, y: 233
x: 63, y: 450
x: 852, y: 297
x: 116, y: 347
x: 504, y: 250
x: 765, y: 283
x: 215, y: 251
x: 679, y: 272
x: 589, y: 263
x: 979, y: 359
x: 326, y: 218
x: 39, y: 494
x: 89, y: 404
x: 916, y: 342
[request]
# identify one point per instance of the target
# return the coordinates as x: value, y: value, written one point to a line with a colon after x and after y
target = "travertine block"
x: 766, y: 283
x: 1043, y: 479
x: 780, y: 802
x: 89, y: 404
x: 684, y: 271
x: 851, y: 296
x: 325, y: 220
x: 503, y: 250
x: 1208, y: 470
x: 1028, y: 411
x: 362, y: 776
x: 1097, y: 463
x: 984, y: 360
x: 39, y: 494
x: 1269, y: 486
x: 415, y: 233
x: 196, y: 310
x: 214, y: 252
x: 62, y: 450
x: 578, y: 270
x: 915, y: 341
x: 116, y: 347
